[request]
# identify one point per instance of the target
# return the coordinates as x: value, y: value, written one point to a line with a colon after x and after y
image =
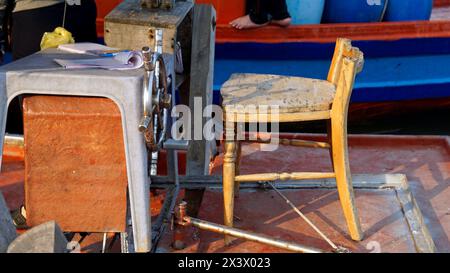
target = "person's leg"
x: 279, y: 12
x: 257, y: 15
x: 81, y: 21
x: 28, y: 27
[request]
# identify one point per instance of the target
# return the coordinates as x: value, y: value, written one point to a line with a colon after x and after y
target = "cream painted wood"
x: 290, y: 94
x: 229, y: 173
x: 340, y: 150
x: 294, y: 142
x: 278, y: 117
x: 237, y: 167
x: 282, y: 176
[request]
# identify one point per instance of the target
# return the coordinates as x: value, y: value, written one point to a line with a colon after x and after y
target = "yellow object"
x: 59, y: 36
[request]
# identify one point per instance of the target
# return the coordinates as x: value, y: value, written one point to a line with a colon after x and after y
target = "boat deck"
x: 424, y: 160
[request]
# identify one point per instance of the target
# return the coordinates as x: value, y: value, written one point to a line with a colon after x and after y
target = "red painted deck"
x: 425, y: 161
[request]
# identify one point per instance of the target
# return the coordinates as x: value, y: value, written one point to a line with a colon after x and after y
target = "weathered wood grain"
x: 201, y: 84
x: 130, y: 26
x: 290, y: 99
x: 201, y: 87
x: 131, y: 12
x: 289, y: 94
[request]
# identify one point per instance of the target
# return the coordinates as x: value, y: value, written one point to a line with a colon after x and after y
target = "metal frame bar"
x: 397, y: 182
x: 182, y: 220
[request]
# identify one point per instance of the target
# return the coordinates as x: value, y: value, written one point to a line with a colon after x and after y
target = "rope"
x: 64, y: 15
x: 305, y: 218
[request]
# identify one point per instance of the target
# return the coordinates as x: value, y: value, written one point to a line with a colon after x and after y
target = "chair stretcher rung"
x: 304, y: 143
x: 282, y: 176
x: 295, y: 142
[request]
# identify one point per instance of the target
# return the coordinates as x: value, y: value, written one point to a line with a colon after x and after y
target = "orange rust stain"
x: 328, y: 33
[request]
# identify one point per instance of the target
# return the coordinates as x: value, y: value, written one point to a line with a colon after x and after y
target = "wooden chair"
x: 298, y: 99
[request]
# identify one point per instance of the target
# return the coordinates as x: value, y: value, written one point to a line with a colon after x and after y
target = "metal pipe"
x: 162, y: 136
x: 147, y: 85
x: 172, y: 144
x: 248, y: 235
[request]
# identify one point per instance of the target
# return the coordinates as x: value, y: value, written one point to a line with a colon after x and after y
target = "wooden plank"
x: 304, y: 143
x: 119, y: 35
x: 201, y: 85
x: 129, y: 26
x: 279, y: 117
x: 255, y: 92
x: 281, y: 176
x: 345, y: 76
x: 328, y: 33
x: 131, y: 12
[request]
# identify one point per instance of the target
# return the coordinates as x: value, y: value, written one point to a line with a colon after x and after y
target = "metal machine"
x: 156, y: 99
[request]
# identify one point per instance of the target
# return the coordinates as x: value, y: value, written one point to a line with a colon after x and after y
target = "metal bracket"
x: 182, y: 220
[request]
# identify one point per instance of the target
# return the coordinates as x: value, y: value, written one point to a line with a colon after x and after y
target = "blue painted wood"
x: 304, y: 12
x: 411, y: 10
x: 308, y: 51
x: 353, y: 11
x: 419, y: 73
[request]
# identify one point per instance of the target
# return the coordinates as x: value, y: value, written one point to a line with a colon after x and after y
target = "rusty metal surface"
x: 75, y: 170
x: 424, y: 160
x: 384, y: 212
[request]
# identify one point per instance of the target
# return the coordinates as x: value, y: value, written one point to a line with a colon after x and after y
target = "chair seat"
x: 290, y: 94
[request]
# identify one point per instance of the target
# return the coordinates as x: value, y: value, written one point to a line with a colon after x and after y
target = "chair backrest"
x: 347, y: 62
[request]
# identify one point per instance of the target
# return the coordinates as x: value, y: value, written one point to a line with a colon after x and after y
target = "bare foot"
x: 282, y: 23
x: 245, y: 22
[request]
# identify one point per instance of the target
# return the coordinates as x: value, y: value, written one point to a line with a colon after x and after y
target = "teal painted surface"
x: 305, y: 12
x: 353, y: 11
x: 411, y: 10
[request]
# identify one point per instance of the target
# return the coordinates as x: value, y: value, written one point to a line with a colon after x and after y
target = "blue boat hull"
x: 409, y: 69
x: 304, y: 12
x: 353, y: 11
x: 411, y: 10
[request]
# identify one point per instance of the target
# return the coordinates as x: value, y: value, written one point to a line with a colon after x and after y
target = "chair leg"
x: 229, y: 168
x: 344, y: 179
x: 237, y: 168
x: 330, y: 141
